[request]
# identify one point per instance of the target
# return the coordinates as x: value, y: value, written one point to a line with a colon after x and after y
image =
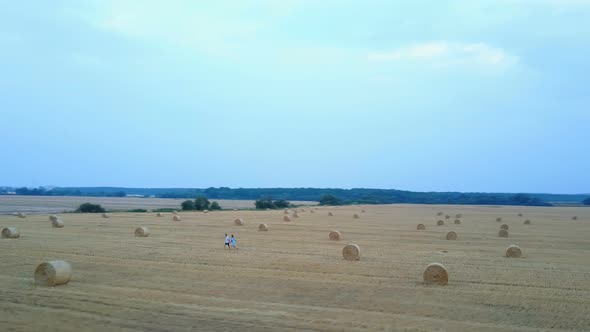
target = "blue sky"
x: 420, y: 95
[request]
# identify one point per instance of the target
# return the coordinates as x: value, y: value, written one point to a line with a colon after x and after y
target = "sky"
x: 449, y: 95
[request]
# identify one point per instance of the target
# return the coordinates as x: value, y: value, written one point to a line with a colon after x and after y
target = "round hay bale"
x: 458, y: 216
x: 10, y: 233
x: 351, y: 252
x: 334, y: 235
x: 527, y: 222
x: 499, y: 219
x: 311, y: 211
x: 330, y: 214
x: 457, y: 222
x: 421, y: 227
x: 205, y: 211
x: 573, y: 218
x: 239, y: 222
x: 21, y: 215
x: 436, y: 274
x: 504, y: 226
x: 263, y: 227
x: 53, y: 273
x: 159, y: 214
x: 513, y: 251
x: 57, y: 223
x: 519, y: 214
x: 447, y: 217
x: 105, y: 215
x: 295, y: 215
x: 503, y: 233
x: 286, y: 211
x: 176, y: 217
x: 174, y: 212
x: 355, y: 216
x: 286, y: 218
x: 440, y: 222
x: 363, y: 211
x: 142, y: 232
x: 52, y: 218
x: 451, y: 235
x: 439, y: 214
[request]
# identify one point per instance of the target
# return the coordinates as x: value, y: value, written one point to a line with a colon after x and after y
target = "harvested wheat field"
x: 293, y: 277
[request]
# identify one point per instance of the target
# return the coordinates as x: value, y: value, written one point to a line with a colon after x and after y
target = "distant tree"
x: 281, y: 204
x: 188, y: 205
x: 330, y: 200
x: 119, y: 194
x: 201, y: 203
x: 264, y: 203
x: 586, y: 201
x: 215, y: 206
x: 90, y: 208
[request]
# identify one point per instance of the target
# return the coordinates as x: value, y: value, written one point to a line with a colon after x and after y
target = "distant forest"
x: 338, y: 196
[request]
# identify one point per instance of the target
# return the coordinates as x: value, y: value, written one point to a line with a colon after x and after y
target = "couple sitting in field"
x: 230, y: 240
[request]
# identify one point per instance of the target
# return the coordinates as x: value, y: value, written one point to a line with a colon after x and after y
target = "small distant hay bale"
x: 176, y: 217
x: 159, y: 214
x: 440, y: 222
x: 575, y: 218
x: 286, y: 218
x: 302, y: 210
x: 513, y: 251
x: 451, y: 235
x: 504, y: 226
x: 447, y: 217
x: 286, y: 211
x: 263, y: 227
x: 351, y: 252
x: 458, y: 216
x: 311, y: 211
x: 499, y: 219
x: 10, y: 233
x: 295, y: 215
x: 335, y: 236
x: 439, y: 214
x: 21, y: 215
x: 205, y: 211
x: 355, y: 216
x: 142, y: 232
x: 330, y: 214
x: 503, y: 233
x: 527, y: 222
x: 57, y: 223
x: 363, y: 211
x: 436, y: 274
x: 53, y: 273
x: 174, y: 212
x: 457, y: 221
x: 421, y: 227
x: 239, y: 222
x: 53, y: 217
x: 105, y: 215
x: 519, y: 214
x: 149, y: 211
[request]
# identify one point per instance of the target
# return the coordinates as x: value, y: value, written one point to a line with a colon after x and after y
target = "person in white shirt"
x: 227, y: 241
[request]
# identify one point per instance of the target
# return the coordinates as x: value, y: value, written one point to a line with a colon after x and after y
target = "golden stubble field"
x: 293, y: 277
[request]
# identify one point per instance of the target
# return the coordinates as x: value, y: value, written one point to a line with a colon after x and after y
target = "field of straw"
x: 294, y: 277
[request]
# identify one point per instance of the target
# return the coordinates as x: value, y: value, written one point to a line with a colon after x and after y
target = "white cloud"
x: 446, y: 53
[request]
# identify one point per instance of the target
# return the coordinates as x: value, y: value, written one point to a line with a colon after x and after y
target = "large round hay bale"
x: 159, y: 214
x: 447, y: 217
x: 239, y: 222
x: 57, y: 223
x: 504, y: 226
x: 355, y: 216
x: 263, y: 227
x: 142, y: 232
x: 335, y: 235
x: 286, y: 218
x: 440, y: 222
x: 10, y: 233
x: 436, y: 274
x: 499, y: 219
x: 53, y: 217
x: 176, y: 217
x: 503, y: 233
x: 421, y: 227
x: 295, y: 215
x: 451, y: 235
x: 105, y: 215
x: 527, y: 222
x: 458, y: 216
x: 457, y: 222
x: 351, y: 252
x: 330, y: 214
x: 53, y: 273
x: 513, y: 251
